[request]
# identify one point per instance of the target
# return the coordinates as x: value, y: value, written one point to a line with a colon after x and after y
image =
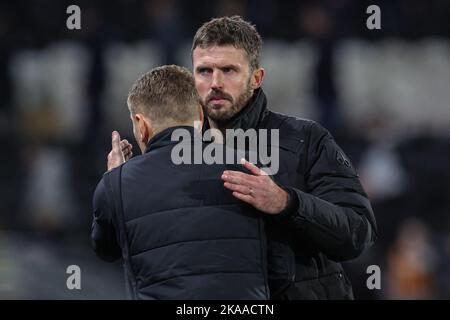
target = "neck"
x: 214, y: 125
x: 196, y: 123
x: 217, y: 132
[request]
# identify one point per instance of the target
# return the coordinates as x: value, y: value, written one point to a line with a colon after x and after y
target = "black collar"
x: 251, y: 116
x: 164, y: 137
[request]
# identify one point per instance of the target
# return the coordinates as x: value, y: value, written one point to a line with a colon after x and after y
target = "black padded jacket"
x: 180, y: 232
x: 330, y: 218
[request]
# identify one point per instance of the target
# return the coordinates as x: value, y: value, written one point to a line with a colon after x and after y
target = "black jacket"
x: 182, y: 235
x: 330, y: 217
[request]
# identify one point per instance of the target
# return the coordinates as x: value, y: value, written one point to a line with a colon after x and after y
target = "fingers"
x: 124, y: 144
x: 128, y: 155
x: 251, y: 167
x: 239, y: 188
x: 115, y: 141
x: 121, y: 146
x: 126, y: 147
x: 243, y: 197
x: 240, y: 178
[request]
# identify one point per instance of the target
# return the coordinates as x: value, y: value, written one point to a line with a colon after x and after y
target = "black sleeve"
x: 333, y: 212
x: 103, y: 234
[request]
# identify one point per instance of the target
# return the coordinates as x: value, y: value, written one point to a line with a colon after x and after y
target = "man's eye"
x: 204, y: 70
x: 227, y: 70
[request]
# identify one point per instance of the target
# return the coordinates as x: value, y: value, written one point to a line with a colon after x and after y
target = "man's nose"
x: 217, y: 81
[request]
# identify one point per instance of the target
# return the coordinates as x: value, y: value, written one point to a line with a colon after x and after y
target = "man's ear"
x: 201, y: 114
x: 144, y: 128
x: 198, y: 124
x: 257, y: 78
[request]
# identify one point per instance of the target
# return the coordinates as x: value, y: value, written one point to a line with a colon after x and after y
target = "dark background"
x: 384, y: 95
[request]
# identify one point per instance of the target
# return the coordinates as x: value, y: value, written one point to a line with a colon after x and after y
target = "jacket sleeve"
x: 333, y: 212
x: 103, y: 234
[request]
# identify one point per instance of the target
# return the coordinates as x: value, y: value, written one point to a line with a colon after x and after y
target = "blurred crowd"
x: 384, y: 95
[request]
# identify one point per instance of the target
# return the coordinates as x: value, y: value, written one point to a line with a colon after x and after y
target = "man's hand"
x: 121, y: 151
x: 258, y: 189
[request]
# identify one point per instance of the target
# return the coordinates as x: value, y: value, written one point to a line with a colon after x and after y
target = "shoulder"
x: 296, y: 131
x: 101, y: 191
x: 100, y: 198
x: 293, y: 125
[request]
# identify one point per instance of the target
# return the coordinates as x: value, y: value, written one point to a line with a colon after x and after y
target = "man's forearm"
x: 340, y: 232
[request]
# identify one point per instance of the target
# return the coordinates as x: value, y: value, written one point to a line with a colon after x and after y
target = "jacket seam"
x: 196, y: 274
x: 318, y: 277
x: 195, y: 240
x: 172, y: 209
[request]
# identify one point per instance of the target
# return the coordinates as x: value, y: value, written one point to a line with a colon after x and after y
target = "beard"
x: 220, y: 114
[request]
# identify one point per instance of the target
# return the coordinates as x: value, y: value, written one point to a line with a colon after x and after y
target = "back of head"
x: 167, y: 96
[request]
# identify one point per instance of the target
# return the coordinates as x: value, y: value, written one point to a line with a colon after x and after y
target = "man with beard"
x: 317, y: 211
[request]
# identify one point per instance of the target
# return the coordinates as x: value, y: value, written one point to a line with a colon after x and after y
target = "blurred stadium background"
x: 384, y: 94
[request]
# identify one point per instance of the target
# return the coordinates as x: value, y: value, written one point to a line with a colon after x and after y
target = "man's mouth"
x: 218, y: 100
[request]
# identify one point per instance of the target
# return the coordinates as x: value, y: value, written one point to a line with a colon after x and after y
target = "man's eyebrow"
x: 202, y: 67
x: 230, y: 66
x: 227, y: 66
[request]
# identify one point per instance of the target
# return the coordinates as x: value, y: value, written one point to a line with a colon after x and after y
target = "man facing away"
x: 318, y: 213
x: 181, y: 234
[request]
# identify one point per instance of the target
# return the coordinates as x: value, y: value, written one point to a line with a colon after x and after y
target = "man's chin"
x: 217, y: 116
x: 217, y: 109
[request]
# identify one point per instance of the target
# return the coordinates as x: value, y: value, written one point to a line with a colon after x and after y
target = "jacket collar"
x: 164, y: 137
x: 251, y: 116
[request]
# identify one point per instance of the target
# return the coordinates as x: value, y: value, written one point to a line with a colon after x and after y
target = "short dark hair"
x: 166, y: 93
x: 233, y: 31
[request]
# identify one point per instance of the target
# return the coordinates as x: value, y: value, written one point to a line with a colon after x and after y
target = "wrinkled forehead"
x: 219, y: 56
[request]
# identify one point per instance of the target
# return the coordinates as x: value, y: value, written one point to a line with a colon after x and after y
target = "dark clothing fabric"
x: 329, y: 218
x: 181, y: 233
